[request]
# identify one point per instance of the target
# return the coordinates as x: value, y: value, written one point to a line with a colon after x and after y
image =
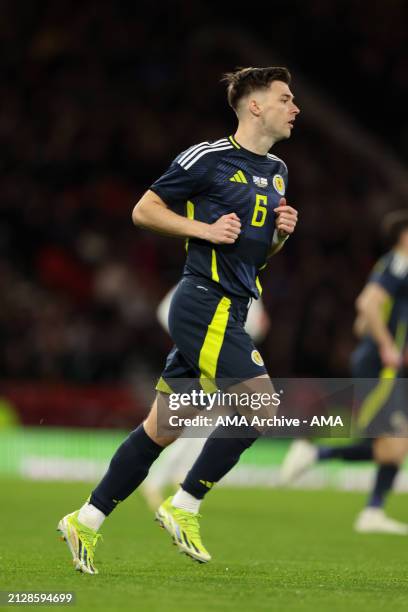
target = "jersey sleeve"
x: 187, y: 175
x: 390, y: 272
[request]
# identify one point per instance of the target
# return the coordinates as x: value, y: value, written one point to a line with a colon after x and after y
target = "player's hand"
x: 390, y: 356
x: 286, y: 218
x: 225, y: 230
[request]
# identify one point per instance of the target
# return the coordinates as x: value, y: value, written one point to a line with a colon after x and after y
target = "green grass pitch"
x: 272, y: 550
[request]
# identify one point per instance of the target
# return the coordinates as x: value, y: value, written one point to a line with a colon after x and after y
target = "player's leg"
x: 224, y: 447
x: 221, y: 452
x: 303, y: 454
x: 130, y: 465
x: 171, y: 468
x: 127, y: 469
x: 389, y: 453
x: 375, y: 417
x: 381, y: 412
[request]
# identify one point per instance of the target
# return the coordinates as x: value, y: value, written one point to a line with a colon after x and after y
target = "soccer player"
x: 236, y: 217
x: 173, y: 464
x: 381, y: 323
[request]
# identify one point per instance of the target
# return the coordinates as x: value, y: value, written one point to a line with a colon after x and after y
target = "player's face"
x: 278, y: 110
x: 403, y: 241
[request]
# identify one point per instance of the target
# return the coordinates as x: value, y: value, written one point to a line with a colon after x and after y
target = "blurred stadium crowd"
x: 96, y: 101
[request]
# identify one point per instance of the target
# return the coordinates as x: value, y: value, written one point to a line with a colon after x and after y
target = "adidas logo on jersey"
x: 239, y: 177
x: 260, y: 181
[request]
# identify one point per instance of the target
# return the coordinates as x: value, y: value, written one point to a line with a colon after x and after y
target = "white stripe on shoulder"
x: 201, y: 147
x: 223, y: 147
x: 275, y: 158
x: 191, y: 149
x: 195, y: 148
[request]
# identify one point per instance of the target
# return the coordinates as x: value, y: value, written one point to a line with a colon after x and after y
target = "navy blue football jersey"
x: 212, y: 179
x: 391, y: 273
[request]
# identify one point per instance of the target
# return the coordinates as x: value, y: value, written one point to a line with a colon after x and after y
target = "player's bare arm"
x: 370, y: 304
x: 151, y: 212
x: 286, y: 220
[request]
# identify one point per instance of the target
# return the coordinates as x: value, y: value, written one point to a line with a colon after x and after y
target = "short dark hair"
x: 243, y: 81
x: 393, y: 224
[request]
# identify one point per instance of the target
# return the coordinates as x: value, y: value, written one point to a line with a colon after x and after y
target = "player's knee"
x: 257, y: 402
x: 390, y: 450
x: 154, y: 431
x: 151, y: 430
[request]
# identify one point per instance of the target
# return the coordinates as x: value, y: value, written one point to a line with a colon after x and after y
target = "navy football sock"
x: 385, y: 477
x: 356, y: 452
x: 128, y: 468
x: 218, y: 457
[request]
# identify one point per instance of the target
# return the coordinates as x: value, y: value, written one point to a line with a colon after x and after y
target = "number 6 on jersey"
x: 260, y: 210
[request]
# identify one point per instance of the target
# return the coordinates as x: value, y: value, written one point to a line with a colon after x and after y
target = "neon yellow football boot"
x: 81, y: 541
x: 184, y: 528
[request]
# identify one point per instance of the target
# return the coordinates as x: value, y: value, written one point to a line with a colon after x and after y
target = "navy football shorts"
x: 381, y: 394
x: 210, y: 342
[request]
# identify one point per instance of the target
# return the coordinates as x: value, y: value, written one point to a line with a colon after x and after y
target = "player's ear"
x: 254, y: 107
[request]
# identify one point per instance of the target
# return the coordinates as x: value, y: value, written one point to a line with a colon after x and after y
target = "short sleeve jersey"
x: 391, y: 273
x: 212, y: 179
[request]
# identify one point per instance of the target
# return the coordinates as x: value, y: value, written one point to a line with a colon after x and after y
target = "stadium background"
x: 97, y: 98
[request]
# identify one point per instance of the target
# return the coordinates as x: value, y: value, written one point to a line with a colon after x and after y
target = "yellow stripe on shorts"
x: 210, y: 351
x: 376, y: 399
x: 381, y: 393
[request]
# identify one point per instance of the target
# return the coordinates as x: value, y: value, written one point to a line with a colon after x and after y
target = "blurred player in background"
x: 173, y: 464
x: 381, y: 325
